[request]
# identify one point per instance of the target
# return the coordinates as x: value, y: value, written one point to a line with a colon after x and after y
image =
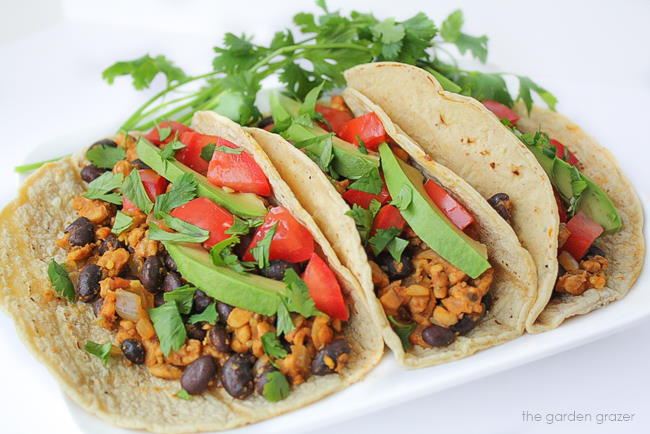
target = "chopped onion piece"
x: 127, y: 305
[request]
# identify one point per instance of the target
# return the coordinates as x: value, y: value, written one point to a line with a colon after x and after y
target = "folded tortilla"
x: 462, y: 134
x: 625, y: 249
x: 55, y: 331
x: 514, y: 285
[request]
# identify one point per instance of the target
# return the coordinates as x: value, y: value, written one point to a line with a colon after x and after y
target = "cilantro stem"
x: 33, y: 166
x: 297, y: 47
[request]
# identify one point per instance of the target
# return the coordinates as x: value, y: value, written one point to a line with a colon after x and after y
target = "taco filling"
x: 184, y: 254
x: 429, y: 272
x: 586, y: 212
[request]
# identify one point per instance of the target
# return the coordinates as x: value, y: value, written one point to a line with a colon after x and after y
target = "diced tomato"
x: 238, y: 171
x: 190, y: 155
x: 448, y: 205
x: 335, y: 117
x: 502, y: 111
x: 177, y: 128
x: 583, y: 233
x: 560, y: 208
x: 363, y: 199
x: 367, y: 127
x: 204, y: 213
x: 324, y: 288
x: 154, y: 185
x: 291, y: 242
x: 388, y: 217
x: 561, y: 150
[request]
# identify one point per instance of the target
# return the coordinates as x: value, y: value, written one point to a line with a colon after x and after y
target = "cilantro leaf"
x: 298, y: 298
x: 163, y: 132
x: 362, y: 145
x: 183, y: 394
x: 101, y: 188
x: 122, y: 223
x: 319, y: 149
x: 261, y: 250
x: 135, y: 192
x: 209, y: 315
x: 272, y: 346
x: 242, y: 226
x: 60, y: 280
x: 452, y: 32
x: 396, y: 247
x: 284, y: 323
x: 525, y: 87
x: 370, y: 182
x: 181, y: 192
x: 403, y: 331
x: 222, y: 255
x: 388, y: 35
x: 380, y: 240
x: 208, y: 151
x: 170, y: 149
x: 276, y: 387
x: 169, y: 326
x: 363, y: 218
x: 105, y: 157
x: 143, y: 70
x: 308, y: 106
x: 186, y: 232
x: 101, y: 351
x: 183, y: 297
x: 404, y: 198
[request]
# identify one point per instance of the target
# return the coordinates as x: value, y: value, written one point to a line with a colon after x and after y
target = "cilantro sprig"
x: 60, y: 280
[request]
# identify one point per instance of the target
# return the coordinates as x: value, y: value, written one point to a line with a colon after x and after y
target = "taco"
x: 222, y: 282
x: 444, y: 275
x: 573, y: 209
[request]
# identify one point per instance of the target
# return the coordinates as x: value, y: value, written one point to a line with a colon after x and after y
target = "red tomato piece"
x: 190, y: 155
x: 448, y: 205
x: 204, y: 213
x: 562, y: 152
x: 502, y: 111
x: 363, y: 199
x: 367, y: 127
x: 177, y: 128
x: 291, y: 242
x: 583, y: 233
x: 560, y: 208
x: 324, y: 288
x: 237, y: 171
x: 335, y: 117
x: 154, y: 185
x: 388, y: 217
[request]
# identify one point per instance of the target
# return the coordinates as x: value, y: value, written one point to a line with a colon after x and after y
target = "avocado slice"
x: 563, y: 176
x: 599, y: 207
x: 247, y: 291
x: 348, y: 161
x: 428, y: 221
x: 242, y: 204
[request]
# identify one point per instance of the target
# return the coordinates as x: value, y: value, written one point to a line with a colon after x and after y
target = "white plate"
x: 389, y: 384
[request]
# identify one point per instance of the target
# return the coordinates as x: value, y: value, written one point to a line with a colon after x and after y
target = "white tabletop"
x: 592, y: 55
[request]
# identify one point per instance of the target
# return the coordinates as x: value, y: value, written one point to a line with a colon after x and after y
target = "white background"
x: 592, y: 55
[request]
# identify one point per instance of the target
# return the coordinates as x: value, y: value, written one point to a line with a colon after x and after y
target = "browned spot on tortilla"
x: 442, y: 119
x: 493, y: 164
x: 471, y: 140
x: 516, y: 172
x: 485, y: 152
x: 428, y: 157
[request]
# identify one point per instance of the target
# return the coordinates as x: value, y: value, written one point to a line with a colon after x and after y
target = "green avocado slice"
x: 242, y: 204
x: 428, y: 221
x: 247, y: 291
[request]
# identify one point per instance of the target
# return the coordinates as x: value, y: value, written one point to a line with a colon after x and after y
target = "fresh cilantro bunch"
x: 319, y: 49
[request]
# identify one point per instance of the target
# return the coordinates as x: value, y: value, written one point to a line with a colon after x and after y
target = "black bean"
x: 152, y: 274
x: 265, y: 122
x: 169, y: 262
x: 327, y: 358
x: 593, y: 251
x: 201, y: 301
x: 237, y: 375
x: 219, y: 339
x: 464, y: 325
x: 224, y: 311
x: 158, y: 299
x: 487, y: 302
x: 81, y: 232
x: 90, y: 173
x: 88, y: 286
x: 97, y: 305
x: 194, y: 331
x: 103, y: 142
x: 110, y: 243
x: 395, y: 270
x: 198, y: 374
x: 404, y: 314
x: 501, y: 203
x: 133, y: 351
x: 172, y: 281
x: 437, y: 336
x: 244, y: 242
x: 139, y: 164
x: 277, y: 268
x: 263, y: 377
